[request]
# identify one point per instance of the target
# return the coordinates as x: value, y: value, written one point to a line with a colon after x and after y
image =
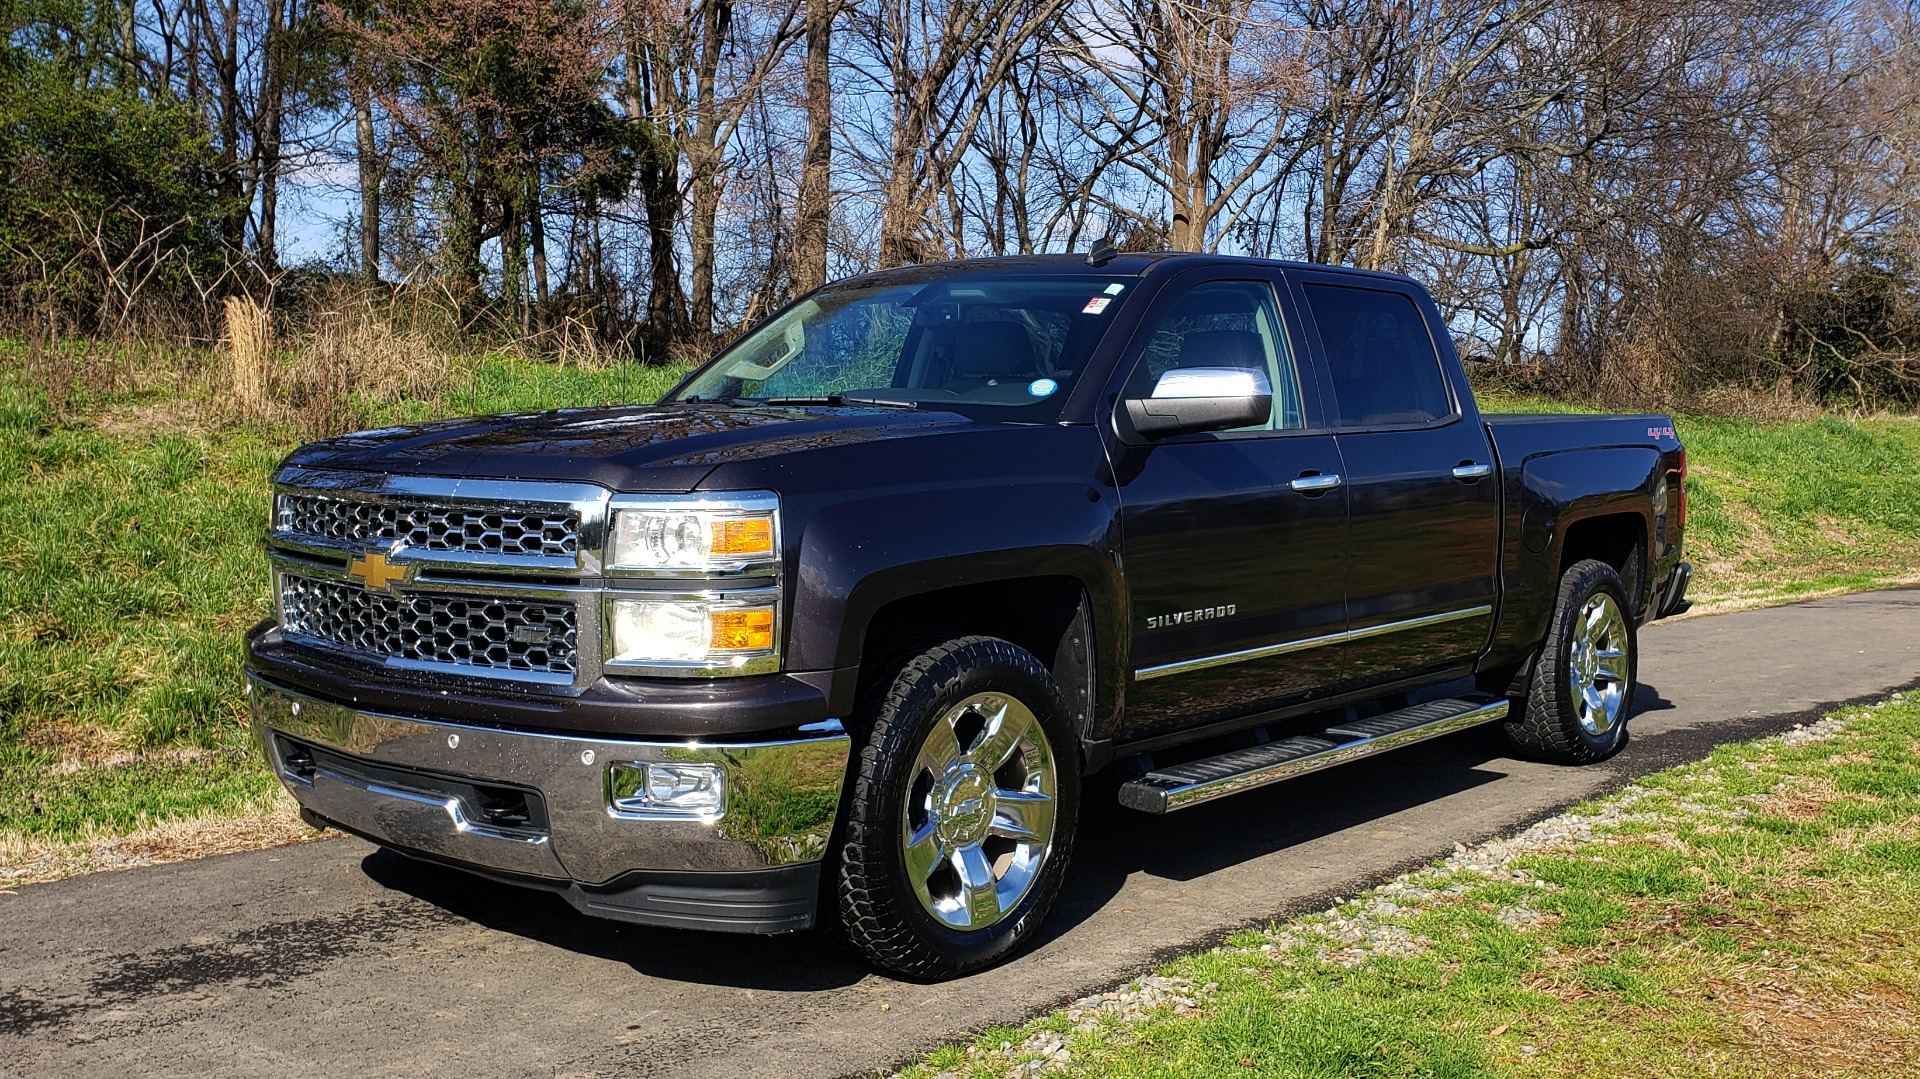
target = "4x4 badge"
x: 374, y: 571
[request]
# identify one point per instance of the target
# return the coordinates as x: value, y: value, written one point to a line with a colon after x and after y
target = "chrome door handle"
x: 1472, y: 472
x: 1322, y: 482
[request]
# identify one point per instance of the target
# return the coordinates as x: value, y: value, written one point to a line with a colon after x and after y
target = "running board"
x: 1179, y: 786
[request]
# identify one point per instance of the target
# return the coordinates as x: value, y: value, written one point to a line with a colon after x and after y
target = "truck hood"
x: 630, y: 448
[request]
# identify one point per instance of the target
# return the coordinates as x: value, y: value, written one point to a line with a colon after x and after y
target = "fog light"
x: 690, y: 789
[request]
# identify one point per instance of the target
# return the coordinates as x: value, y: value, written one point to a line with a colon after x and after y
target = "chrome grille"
x: 428, y: 527
x: 473, y: 631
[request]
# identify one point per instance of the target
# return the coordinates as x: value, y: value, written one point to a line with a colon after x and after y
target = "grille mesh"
x: 503, y: 634
x: 553, y: 533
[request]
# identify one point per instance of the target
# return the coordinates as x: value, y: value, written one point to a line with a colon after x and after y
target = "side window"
x: 1381, y: 358
x: 1224, y: 324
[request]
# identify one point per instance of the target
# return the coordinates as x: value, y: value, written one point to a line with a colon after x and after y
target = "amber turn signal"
x: 738, y: 536
x: 742, y: 630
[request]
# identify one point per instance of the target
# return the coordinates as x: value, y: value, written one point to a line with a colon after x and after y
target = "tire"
x: 1579, y: 695
x: 933, y: 881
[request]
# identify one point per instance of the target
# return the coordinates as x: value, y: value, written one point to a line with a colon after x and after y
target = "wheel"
x: 1580, y: 694
x: 963, y: 810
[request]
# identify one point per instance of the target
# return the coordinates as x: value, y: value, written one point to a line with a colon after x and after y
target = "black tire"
x: 1547, y: 723
x: 880, y: 911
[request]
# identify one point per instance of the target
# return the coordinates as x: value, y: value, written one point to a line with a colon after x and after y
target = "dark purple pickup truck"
x: 835, y: 631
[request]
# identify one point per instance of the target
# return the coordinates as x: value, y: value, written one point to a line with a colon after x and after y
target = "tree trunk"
x: 657, y: 178
x: 128, y: 70
x: 703, y: 157
x: 272, y: 108
x: 367, y: 154
x: 537, y: 239
x: 901, y: 215
x: 227, y: 69
x: 815, y: 212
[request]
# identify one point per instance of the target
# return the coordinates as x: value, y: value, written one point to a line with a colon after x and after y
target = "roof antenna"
x: 1103, y: 252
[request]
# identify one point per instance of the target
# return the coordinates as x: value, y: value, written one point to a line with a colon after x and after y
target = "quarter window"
x: 1382, y: 361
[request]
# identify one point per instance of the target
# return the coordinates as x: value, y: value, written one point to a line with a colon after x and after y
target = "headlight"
x: 704, y: 632
x: 694, y: 534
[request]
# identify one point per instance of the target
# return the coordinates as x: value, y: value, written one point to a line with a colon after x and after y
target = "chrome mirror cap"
x: 1190, y: 400
x: 1185, y: 383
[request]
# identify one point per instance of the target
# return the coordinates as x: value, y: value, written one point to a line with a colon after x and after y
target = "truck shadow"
x: 795, y: 962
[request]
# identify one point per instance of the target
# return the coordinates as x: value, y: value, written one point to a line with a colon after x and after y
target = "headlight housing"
x: 693, y: 633
x: 694, y: 535
x: 721, y: 614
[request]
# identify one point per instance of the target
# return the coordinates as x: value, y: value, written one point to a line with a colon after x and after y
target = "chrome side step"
x: 1179, y: 786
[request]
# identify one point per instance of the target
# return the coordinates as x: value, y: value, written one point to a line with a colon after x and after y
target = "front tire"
x: 1580, y: 694
x: 963, y: 810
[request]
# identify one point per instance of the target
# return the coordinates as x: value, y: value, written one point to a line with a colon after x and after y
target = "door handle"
x: 1472, y: 471
x: 1315, y: 483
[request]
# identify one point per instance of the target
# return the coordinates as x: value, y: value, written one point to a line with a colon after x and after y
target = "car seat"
x: 991, y: 353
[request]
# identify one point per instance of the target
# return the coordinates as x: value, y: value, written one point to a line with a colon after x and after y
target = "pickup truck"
x: 836, y: 632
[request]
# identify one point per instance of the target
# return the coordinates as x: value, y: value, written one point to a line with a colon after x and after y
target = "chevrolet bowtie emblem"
x: 374, y: 571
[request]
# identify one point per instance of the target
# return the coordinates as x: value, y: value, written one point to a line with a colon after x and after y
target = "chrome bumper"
x: 433, y: 788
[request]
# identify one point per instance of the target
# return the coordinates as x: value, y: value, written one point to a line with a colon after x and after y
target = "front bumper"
x: 535, y: 808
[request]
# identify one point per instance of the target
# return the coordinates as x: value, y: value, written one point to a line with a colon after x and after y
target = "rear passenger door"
x: 1422, y: 502
x: 1235, y: 575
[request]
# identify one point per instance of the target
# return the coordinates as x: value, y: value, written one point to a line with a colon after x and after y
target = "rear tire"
x: 962, y: 813
x: 1580, y: 694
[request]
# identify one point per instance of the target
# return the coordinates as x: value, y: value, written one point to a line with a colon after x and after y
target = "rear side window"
x: 1384, y: 368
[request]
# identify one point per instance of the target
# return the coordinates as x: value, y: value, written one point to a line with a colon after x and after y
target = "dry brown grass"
x: 273, y: 823
x: 1776, y: 403
x: 249, y: 347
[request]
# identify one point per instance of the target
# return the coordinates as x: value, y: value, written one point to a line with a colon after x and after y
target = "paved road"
x: 337, y: 955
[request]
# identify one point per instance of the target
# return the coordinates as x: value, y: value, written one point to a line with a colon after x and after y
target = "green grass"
x: 1752, y: 917
x: 130, y: 565
x: 1779, y: 510
x: 131, y: 512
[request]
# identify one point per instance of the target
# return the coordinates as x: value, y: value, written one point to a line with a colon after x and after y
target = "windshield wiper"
x: 831, y: 399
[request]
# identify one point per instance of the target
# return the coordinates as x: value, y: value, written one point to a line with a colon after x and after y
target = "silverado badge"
x: 374, y: 571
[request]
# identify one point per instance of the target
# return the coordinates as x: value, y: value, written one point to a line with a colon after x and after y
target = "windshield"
x: 1011, y: 345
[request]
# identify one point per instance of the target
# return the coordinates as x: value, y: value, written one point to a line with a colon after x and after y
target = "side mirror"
x: 1193, y: 399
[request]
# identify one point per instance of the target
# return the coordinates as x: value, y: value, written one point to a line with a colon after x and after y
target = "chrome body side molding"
x: 1244, y: 655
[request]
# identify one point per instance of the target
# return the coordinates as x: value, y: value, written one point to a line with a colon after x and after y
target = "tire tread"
x: 1543, y: 726
x: 872, y: 915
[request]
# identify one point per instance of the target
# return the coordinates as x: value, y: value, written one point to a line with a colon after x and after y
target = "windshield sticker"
x: 1115, y: 288
x: 1042, y: 387
x: 1096, y: 305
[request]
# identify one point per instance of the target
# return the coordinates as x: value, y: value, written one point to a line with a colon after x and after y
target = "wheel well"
x: 1048, y: 616
x: 1618, y: 539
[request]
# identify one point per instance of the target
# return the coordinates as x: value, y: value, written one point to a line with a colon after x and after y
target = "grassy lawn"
x: 1779, y: 511
x: 1750, y: 915
x: 130, y: 565
x: 131, y: 509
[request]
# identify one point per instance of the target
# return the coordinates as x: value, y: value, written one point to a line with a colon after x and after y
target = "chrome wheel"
x: 979, y: 812
x: 1597, y: 664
